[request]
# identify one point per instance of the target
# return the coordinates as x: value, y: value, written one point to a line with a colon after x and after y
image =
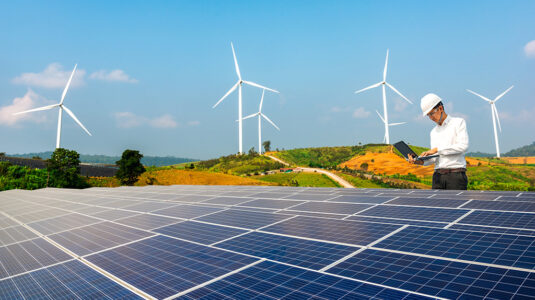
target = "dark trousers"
x: 450, y: 181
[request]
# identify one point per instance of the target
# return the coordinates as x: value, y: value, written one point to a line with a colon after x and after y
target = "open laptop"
x: 405, y: 150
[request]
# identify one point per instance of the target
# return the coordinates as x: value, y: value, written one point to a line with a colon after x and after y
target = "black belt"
x: 447, y: 171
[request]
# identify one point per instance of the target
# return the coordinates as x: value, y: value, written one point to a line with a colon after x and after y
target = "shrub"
x: 130, y: 167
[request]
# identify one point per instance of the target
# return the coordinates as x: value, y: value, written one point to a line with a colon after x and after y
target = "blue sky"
x: 149, y: 72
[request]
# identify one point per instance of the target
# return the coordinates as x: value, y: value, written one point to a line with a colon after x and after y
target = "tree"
x: 130, y: 167
x: 64, y: 169
x: 267, y: 146
x: 252, y: 152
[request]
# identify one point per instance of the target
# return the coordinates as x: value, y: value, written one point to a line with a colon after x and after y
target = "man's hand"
x: 413, y: 161
x: 429, y: 152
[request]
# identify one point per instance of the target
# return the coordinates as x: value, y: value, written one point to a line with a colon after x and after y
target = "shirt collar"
x: 446, y: 121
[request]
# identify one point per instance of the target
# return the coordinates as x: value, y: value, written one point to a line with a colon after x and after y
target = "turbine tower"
x: 61, y: 108
x: 260, y: 116
x: 495, y: 116
x: 383, y: 83
x: 387, y: 125
x: 239, y: 86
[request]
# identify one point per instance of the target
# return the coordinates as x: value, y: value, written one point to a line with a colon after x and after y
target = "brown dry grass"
x: 519, y: 160
x: 387, y: 163
x: 190, y: 177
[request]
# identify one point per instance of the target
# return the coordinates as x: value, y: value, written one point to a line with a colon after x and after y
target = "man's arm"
x: 461, y: 141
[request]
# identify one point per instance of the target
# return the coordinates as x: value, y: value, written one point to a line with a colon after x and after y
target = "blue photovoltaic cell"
x: 331, y: 207
x: 69, y: 280
x: 312, y: 197
x: 15, y: 234
x: 147, y: 222
x: 29, y: 255
x: 269, y: 280
x: 227, y: 200
x: 273, y: 195
x: 312, y: 214
x: 270, y: 203
x: 163, y: 266
x: 361, y: 199
x: 415, y: 213
x: 499, y: 249
x: 437, y: 277
x: 514, y: 198
x: 500, y: 219
x: 7, y: 222
x: 244, y: 219
x: 199, y: 232
x: 62, y: 223
x: 350, y: 232
x: 397, y: 221
x: 431, y: 202
x: 186, y: 211
x: 114, y: 214
x: 295, y: 251
x: 501, y: 205
x: 149, y: 206
x: 92, y: 238
x: 493, y: 229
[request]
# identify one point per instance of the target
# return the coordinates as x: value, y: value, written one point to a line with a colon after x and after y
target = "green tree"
x: 64, y: 169
x: 130, y: 167
x: 267, y: 146
x: 252, y: 152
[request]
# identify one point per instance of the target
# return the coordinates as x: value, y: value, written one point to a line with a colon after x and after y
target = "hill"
x: 110, y: 160
x: 238, y: 164
x: 528, y: 150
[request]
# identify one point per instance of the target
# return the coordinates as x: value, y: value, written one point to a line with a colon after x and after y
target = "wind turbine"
x: 387, y: 125
x: 260, y: 116
x: 495, y: 115
x: 383, y: 83
x: 239, y: 86
x: 61, y: 108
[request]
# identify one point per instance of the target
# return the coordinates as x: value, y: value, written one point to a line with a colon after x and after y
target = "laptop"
x: 405, y: 150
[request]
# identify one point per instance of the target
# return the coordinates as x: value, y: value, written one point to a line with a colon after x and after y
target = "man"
x: 449, y: 140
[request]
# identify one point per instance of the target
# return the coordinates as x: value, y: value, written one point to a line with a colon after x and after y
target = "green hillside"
x: 238, y: 164
x: 528, y: 150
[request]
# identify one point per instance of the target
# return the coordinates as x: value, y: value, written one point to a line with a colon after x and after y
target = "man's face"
x: 435, y: 114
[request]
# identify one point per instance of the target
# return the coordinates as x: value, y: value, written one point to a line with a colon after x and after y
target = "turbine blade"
x: 495, y: 112
x: 482, y: 97
x: 397, y: 92
x: 228, y: 93
x: 395, y: 124
x: 37, y: 109
x: 250, y: 116
x: 386, y: 66
x: 68, y: 84
x: 260, y: 86
x: 261, y: 100
x: 501, y: 95
x: 235, y: 61
x: 370, y: 87
x: 380, y: 116
x: 265, y: 117
x: 75, y: 119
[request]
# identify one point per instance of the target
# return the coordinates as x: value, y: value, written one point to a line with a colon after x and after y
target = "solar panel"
x: 415, y: 213
x: 299, y: 252
x: 100, y: 236
x: 349, y: 232
x: 266, y: 242
x: 69, y: 280
x: 200, y: 232
x: 499, y: 249
x: 269, y: 280
x: 243, y: 219
x: 165, y: 266
x: 436, y: 277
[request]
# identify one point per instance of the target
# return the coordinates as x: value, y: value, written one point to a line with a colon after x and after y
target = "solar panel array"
x: 247, y: 242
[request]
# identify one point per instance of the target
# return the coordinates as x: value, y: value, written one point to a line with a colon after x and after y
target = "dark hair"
x: 438, y: 105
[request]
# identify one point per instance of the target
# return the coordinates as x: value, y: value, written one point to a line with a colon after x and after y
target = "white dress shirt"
x: 451, y: 141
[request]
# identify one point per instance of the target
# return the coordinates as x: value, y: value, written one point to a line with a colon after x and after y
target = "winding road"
x: 333, y: 176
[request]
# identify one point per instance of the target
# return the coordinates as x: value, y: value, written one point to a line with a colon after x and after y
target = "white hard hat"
x: 428, y: 102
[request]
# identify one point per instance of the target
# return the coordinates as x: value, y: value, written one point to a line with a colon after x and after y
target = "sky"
x: 149, y: 72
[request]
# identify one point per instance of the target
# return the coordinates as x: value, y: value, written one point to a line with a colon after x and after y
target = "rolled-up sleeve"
x: 460, y: 145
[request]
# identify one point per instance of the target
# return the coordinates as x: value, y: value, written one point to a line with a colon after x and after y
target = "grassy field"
x: 238, y: 164
x: 359, y: 182
x: 299, y: 179
x: 173, y: 176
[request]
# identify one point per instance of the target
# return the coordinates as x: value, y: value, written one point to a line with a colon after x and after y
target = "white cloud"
x: 400, y: 104
x: 131, y: 120
x: 28, y: 101
x: 360, y: 113
x: 338, y: 109
x: 114, y: 75
x: 165, y: 121
x: 529, y: 49
x: 53, y: 76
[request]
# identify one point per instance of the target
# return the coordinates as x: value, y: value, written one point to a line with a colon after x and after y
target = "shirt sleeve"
x: 430, y: 161
x: 461, y: 141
